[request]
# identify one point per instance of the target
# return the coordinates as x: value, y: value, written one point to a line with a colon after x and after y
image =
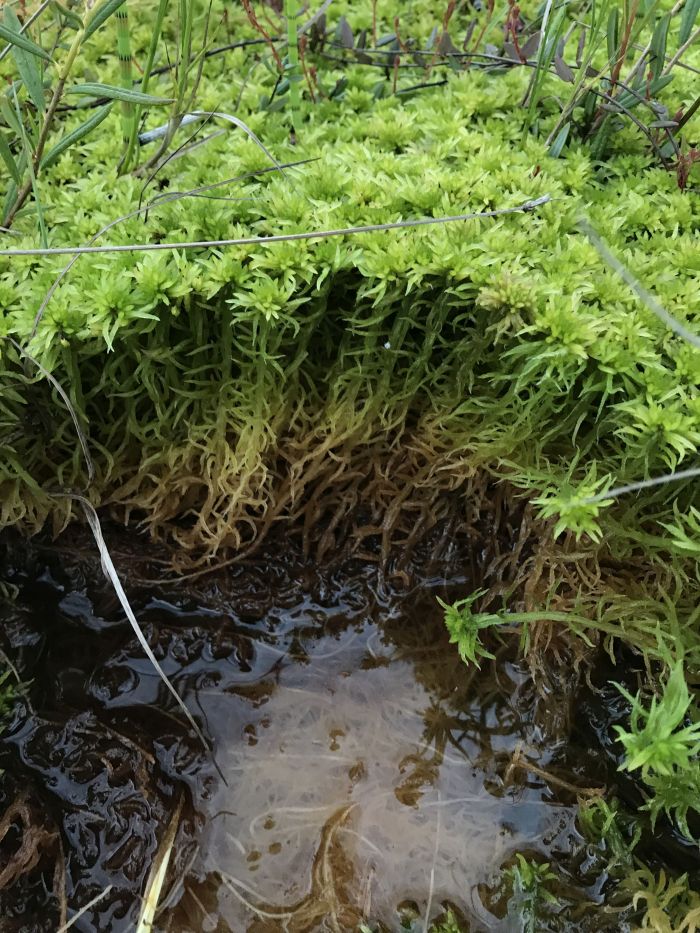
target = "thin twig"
x: 315, y: 18
x: 84, y: 909
x: 519, y: 761
x: 156, y: 202
x: 682, y: 50
x: 35, y: 16
x: 646, y: 297
x: 691, y: 473
x: 276, y: 238
x: 614, y: 106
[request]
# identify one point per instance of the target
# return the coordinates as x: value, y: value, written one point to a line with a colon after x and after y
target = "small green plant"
x: 664, y: 749
x: 576, y: 506
x: 676, y: 795
x: 657, y: 742
x: 465, y: 627
x: 670, y: 905
x: 449, y: 924
x: 603, y: 823
x: 529, y: 880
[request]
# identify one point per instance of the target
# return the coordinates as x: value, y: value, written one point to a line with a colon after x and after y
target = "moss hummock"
x: 224, y: 389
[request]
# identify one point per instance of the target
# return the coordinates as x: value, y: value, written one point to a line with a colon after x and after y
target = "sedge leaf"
x: 9, y: 116
x: 20, y: 41
x: 68, y: 15
x: 111, y: 92
x: 101, y: 14
x: 28, y: 65
x: 658, y: 45
x: 560, y: 141
x: 75, y: 136
x: 688, y: 17
x: 9, y: 159
x: 613, y: 34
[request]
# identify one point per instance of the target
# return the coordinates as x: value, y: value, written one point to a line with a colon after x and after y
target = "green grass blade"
x: 29, y: 161
x: 613, y: 34
x: 101, y: 15
x: 555, y: 149
x: 20, y: 41
x: 9, y: 159
x: 688, y: 17
x: 658, y: 44
x: 28, y: 65
x: 80, y: 132
x: 94, y: 89
x: 68, y: 15
x: 9, y: 116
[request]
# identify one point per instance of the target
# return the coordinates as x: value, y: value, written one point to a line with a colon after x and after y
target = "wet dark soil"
x: 360, y: 772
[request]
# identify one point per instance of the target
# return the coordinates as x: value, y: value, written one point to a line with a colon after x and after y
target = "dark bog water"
x: 361, y: 773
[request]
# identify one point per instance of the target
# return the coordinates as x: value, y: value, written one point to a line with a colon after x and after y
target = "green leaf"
x: 658, y: 742
x: 658, y: 45
x: 629, y: 101
x: 613, y: 33
x: 75, y: 136
x: 9, y: 159
x: 688, y: 17
x: 100, y: 15
x: 560, y: 141
x: 9, y: 200
x: 69, y: 16
x: 20, y: 41
x: 28, y: 65
x: 9, y: 116
x: 658, y: 84
x: 116, y: 93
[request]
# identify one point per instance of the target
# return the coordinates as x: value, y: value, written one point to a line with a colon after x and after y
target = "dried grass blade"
x: 644, y: 296
x: 84, y: 909
x: 159, y: 870
x: 111, y: 574
x: 524, y: 208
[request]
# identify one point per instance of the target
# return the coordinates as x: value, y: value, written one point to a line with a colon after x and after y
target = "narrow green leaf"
x: 116, y: 93
x: 69, y: 16
x: 560, y: 141
x: 100, y: 15
x: 658, y: 84
x: 80, y: 132
x: 28, y: 65
x: 657, y: 45
x: 20, y: 41
x: 9, y: 115
x: 613, y: 34
x: 688, y: 17
x: 9, y: 159
x: 629, y: 101
x: 9, y: 200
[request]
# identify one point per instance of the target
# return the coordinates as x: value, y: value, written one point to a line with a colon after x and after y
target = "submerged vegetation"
x: 527, y: 375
